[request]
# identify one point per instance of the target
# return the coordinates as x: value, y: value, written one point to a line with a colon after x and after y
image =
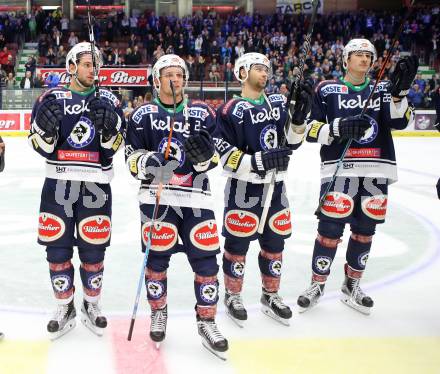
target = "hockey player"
x: 359, y: 194
x: 2, y: 155
x: 185, y: 199
x: 78, y: 134
x: 249, y: 129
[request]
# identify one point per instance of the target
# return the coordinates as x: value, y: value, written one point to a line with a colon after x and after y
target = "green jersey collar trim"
x: 259, y: 101
x: 356, y: 88
x: 170, y: 110
x: 83, y: 93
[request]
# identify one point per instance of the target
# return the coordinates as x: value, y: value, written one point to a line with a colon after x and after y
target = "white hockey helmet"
x: 167, y: 61
x: 80, y: 49
x: 358, y: 45
x: 246, y: 61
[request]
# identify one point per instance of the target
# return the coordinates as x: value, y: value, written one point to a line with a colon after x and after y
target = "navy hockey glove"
x: 103, y: 116
x: 156, y: 169
x: 353, y: 127
x: 276, y: 158
x: 48, y: 118
x: 303, y: 103
x: 199, y: 148
x: 403, y: 76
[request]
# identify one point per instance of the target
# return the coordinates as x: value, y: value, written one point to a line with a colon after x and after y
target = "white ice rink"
x: 402, y: 334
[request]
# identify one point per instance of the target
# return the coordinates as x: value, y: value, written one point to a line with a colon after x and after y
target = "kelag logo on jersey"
x: 269, y: 138
x: 371, y: 133
x: 265, y: 115
x: 357, y: 102
x: 82, y: 133
x: 176, y: 149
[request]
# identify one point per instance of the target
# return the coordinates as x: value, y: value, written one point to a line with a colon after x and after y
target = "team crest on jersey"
x: 240, y: 108
x: 155, y: 289
x: 176, y: 149
x: 275, y: 268
x: 237, y: 268
x: 334, y: 88
x: 269, y: 137
x: 61, y: 283
x: 371, y: 133
x: 208, y: 292
x: 322, y: 263
x: 362, y: 259
x: 95, y: 281
x: 82, y: 133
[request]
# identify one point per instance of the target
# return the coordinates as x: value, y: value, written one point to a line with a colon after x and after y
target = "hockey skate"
x: 62, y: 321
x: 158, y: 327
x: 212, y: 339
x: 354, y: 297
x: 311, y: 296
x: 274, y: 307
x: 235, y: 308
x: 92, y: 318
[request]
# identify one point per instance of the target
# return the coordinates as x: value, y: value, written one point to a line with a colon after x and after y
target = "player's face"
x: 175, y: 75
x: 359, y: 62
x: 258, y: 76
x: 85, y: 70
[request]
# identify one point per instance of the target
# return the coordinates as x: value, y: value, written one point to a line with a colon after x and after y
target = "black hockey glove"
x: 156, y: 169
x: 353, y: 127
x: 48, y: 118
x: 403, y: 76
x: 103, y: 116
x: 199, y: 148
x: 276, y: 158
x: 303, y: 103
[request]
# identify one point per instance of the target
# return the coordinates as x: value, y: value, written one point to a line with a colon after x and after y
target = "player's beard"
x: 84, y: 83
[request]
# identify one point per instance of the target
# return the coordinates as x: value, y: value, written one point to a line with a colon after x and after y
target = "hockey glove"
x: 403, y: 76
x: 103, y: 116
x: 48, y: 118
x: 353, y: 127
x: 156, y: 169
x: 303, y: 103
x: 276, y: 158
x: 199, y: 148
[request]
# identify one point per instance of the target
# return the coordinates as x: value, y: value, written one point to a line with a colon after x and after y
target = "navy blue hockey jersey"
x: 245, y: 127
x: 147, y: 131
x: 78, y: 153
x: 372, y: 156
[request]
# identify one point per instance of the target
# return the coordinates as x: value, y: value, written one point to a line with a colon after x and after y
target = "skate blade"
x: 220, y: 355
x: 360, y: 308
x: 95, y: 329
x: 68, y: 327
x: 269, y: 312
x: 238, y: 322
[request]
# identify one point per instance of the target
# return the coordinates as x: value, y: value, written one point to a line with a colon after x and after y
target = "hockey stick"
x: 292, y: 94
x: 364, y: 109
x: 92, y: 50
x: 153, y: 219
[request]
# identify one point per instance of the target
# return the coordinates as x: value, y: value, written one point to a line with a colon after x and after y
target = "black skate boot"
x: 92, y: 318
x: 62, y: 321
x: 212, y: 339
x: 310, y: 296
x: 274, y: 307
x: 354, y: 297
x: 158, y: 327
x: 235, y: 308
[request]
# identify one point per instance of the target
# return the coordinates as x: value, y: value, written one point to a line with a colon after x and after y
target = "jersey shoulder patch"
x: 236, y: 107
x: 199, y: 106
x: 145, y: 109
x: 110, y: 97
x: 328, y: 87
x: 60, y: 93
x: 275, y: 98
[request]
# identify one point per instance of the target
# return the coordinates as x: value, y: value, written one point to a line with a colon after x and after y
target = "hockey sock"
x: 233, y: 270
x: 156, y: 284
x: 270, y: 267
x: 61, y: 276
x: 91, y: 277
x: 358, y: 250
x: 206, y: 291
x: 324, y: 253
